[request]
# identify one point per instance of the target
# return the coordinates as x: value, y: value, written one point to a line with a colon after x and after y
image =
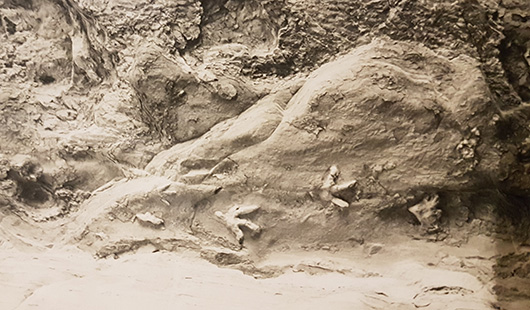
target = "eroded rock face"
x: 67, y: 43
x: 226, y: 138
x: 127, y: 108
x: 403, y: 120
x: 400, y: 114
x: 386, y: 102
x: 515, y: 47
x: 177, y: 103
x: 170, y: 24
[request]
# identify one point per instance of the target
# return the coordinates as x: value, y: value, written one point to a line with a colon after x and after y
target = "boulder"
x: 388, y: 103
x: 400, y: 106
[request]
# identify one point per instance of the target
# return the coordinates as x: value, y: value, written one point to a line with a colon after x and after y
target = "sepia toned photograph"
x: 265, y: 154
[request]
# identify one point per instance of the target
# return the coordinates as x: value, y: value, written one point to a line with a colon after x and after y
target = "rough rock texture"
x: 369, y: 109
x: 515, y: 46
x: 176, y: 110
x: 177, y: 103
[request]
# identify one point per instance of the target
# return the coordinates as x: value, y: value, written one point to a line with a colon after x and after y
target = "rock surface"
x: 168, y: 112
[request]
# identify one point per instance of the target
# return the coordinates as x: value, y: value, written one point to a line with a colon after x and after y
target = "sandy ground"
x: 408, y: 276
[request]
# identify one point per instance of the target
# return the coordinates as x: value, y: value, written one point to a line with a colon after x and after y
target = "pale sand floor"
x: 400, y: 277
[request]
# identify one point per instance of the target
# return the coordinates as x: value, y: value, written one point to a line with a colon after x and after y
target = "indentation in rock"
x: 46, y: 79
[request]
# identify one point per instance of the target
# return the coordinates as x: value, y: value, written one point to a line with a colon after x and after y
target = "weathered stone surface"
x: 111, y: 109
x: 171, y: 24
x: 387, y: 101
x: 515, y: 47
x: 175, y: 103
x: 251, y: 127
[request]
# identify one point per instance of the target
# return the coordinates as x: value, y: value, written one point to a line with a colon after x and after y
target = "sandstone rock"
x: 339, y: 202
x: 375, y: 248
x: 227, y: 91
x: 148, y: 218
x: 66, y: 115
x: 228, y: 137
x: 516, y: 46
x: 369, y: 93
x: 411, y: 98
x: 8, y: 187
x: 176, y: 24
x: 174, y: 103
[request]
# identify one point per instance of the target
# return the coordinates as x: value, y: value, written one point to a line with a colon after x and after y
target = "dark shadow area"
x: 46, y: 79
x: 31, y: 190
x: 512, y: 264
